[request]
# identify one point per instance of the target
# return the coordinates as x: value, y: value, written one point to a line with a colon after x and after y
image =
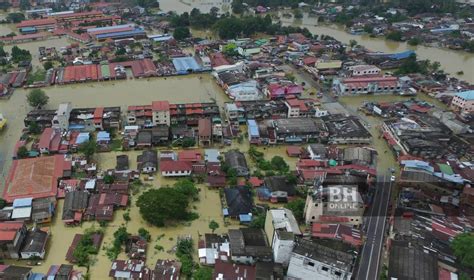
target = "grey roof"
x: 280, y: 183
x: 412, y: 264
x: 15, y: 272
x: 148, y: 158
x: 74, y: 201
x: 249, y: 242
x: 329, y: 256
x: 144, y: 137
x: 239, y: 200
x: 122, y: 163
x: 236, y: 160
x: 35, y: 241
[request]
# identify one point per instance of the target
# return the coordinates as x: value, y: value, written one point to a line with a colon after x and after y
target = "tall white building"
x: 161, y: 113
x: 311, y: 261
x: 281, y: 228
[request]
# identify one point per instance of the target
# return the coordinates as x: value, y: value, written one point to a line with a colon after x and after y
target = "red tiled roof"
x: 36, y: 22
x: 170, y: 166
x: 35, y: 177
x: 189, y: 155
x: 293, y: 150
x: 255, y: 182
x: 205, y: 127
x: 160, y: 105
x: 45, y: 139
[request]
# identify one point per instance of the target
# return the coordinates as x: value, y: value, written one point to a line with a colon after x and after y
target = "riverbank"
x: 452, y: 61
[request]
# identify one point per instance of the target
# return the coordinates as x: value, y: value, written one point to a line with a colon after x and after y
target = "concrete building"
x: 366, y: 85
x: 281, y: 228
x: 364, y: 70
x: 313, y: 261
x: 161, y: 113
x: 341, y: 204
x: 463, y: 102
x: 61, y: 119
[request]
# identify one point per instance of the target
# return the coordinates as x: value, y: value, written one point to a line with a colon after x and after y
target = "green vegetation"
x: 15, y: 17
x: 145, y: 234
x: 167, y: 204
x: 414, y: 41
x: 184, y: 252
x: 48, y: 65
x: 37, y: 98
x: 297, y: 207
x: 203, y: 273
x: 3, y: 203
x: 394, y: 36
x: 181, y: 33
x: 411, y: 65
x: 22, y: 152
x: 20, y: 54
x: 85, y: 248
x: 188, y: 142
x: 88, y: 149
x: 258, y: 221
x: 463, y: 247
x: 109, y: 179
x: 297, y: 14
x: 121, y: 236
x: 213, y: 225
x: 276, y: 165
x: 126, y: 216
x: 39, y: 75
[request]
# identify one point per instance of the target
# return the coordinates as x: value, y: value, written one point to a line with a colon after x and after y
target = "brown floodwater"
x: 181, y: 89
x: 451, y: 61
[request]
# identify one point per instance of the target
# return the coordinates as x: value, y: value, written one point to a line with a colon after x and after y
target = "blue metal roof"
x: 22, y: 202
x: 185, y: 64
x: 122, y: 34
x: 467, y: 95
x: 245, y: 218
x: 253, y: 128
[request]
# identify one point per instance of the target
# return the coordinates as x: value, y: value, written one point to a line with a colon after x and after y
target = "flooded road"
x: 451, y: 61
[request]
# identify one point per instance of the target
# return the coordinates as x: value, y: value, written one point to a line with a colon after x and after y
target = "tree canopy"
x: 213, y: 225
x: 15, y: 17
x: 463, y: 247
x: 297, y: 207
x: 88, y: 148
x: 160, y: 206
x: 181, y: 33
x: 20, y: 54
x: 37, y: 98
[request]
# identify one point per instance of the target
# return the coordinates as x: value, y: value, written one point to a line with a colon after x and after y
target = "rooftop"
x: 467, y: 95
x: 35, y: 177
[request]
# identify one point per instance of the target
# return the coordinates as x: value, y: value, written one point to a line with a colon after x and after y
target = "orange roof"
x: 36, y: 22
x: 35, y: 177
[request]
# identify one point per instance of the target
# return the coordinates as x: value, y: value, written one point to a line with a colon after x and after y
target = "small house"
x: 148, y: 161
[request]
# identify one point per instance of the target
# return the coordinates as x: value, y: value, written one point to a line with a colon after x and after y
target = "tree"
x: 230, y: 49
x: 298, y: 14
x: 188, y: 142
x: 353, y: 43
x: 37, y: 98
x: 22, y: 152
x: 15, y: 17
x: 297, y: 207
x: 213, y: 225
x: 24, y: 5
x: 20, y: 54
x: 214, y: 11
x: 394, y: 36
x: 88, y: 148
x: 3, y: 53
x: 172, y: 206
x: 109, y: 179
x: 145, y: 234
x: 120, y: 51
x: 48, y: 65
x: 34, y: 128
x: 3, y: 203
x: 203, y: 273
x: 238, y: 7
x: 126, y: 216
x: 463, y: 247
x: 187, y: 188
x: 258, y: 221
x: 414, y: 41
x: 279, y: 164
x: 181, y: 33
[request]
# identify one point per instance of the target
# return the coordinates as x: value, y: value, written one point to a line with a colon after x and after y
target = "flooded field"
x: 451, y: 61
x: 194, y: 88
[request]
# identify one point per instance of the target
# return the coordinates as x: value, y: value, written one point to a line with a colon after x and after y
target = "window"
x: 325, y: 268
x: 311, y: 263
x: 337, y: 273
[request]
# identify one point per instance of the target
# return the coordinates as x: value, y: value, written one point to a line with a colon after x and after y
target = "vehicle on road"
x: 392, y: 179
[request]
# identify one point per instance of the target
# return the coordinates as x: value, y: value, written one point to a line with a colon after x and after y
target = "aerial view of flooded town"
x: 237, y: 139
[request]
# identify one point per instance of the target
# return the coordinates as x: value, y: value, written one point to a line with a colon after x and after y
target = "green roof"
x: 105, y: 69
x: 332, y: 162
x: 446, y: 169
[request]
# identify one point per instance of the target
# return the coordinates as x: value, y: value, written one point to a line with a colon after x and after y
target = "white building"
x: 311, y: 261
x: 334, y: 204
x: 61, y: 119
x: 364, y: 70
x: 281, y: 228
x: 246, y: 91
